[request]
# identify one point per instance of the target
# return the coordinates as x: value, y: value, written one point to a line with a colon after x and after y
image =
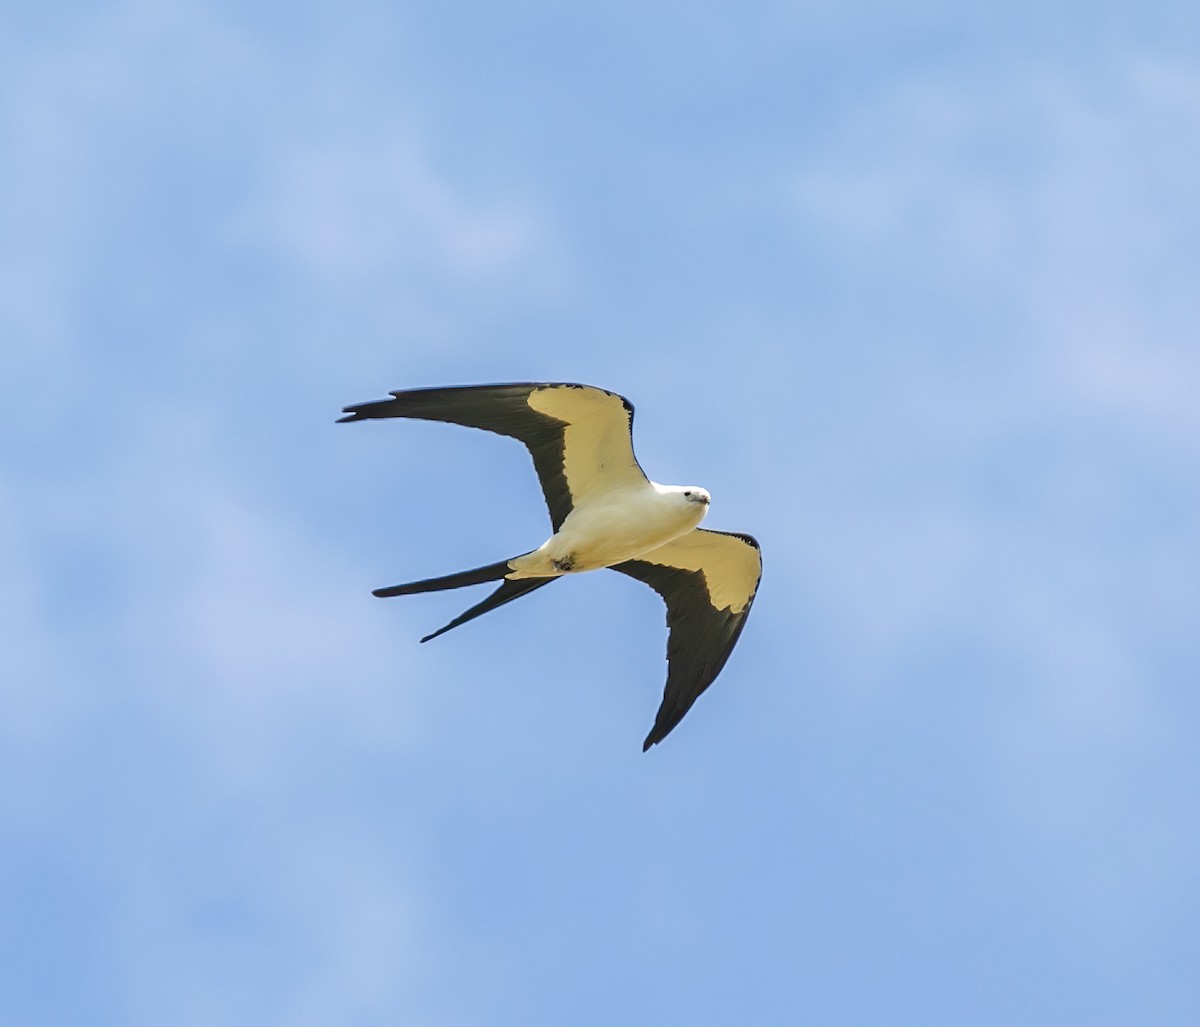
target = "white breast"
x: 621, y: 524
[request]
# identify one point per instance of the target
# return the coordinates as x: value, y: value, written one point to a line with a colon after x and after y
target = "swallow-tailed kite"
x: 605, y: 513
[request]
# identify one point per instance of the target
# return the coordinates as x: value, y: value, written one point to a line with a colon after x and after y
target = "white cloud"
x: 999, y: 491
x: 151, y: 119
x: 1066, y: 203
x: 348, y: 210
x: 191, y: 673
x: 71, y: 113
x: 192, y: 679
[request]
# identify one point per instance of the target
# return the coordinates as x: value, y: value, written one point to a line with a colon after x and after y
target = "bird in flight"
x: 605, y: 513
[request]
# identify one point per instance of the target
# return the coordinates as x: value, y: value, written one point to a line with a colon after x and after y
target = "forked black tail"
x: 509, y: 590
x: 492, y: 572
x: 506, y: 593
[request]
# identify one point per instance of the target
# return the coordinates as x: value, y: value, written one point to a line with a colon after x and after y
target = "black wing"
x: 580, y: 437
x: 708, y: 580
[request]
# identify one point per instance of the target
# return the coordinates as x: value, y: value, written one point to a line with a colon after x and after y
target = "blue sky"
x: 910, y: 288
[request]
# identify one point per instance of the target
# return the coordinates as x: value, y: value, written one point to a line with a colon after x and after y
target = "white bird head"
x: 694, y: 494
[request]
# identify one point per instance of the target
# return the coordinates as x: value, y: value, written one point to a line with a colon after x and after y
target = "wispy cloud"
x: 156, y: 605
x: 965, y: 439
x: 203, y: 150
x: 1025, y: 489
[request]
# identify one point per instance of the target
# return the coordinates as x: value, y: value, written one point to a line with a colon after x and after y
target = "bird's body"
x: 605, y: 512
x: 618, y: 524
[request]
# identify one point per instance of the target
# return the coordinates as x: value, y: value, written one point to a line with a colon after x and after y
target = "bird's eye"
x: 688, y: 494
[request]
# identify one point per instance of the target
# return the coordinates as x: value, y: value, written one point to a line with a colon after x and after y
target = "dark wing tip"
x: 663, y: 726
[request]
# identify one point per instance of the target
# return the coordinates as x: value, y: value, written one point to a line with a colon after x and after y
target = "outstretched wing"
x: 580, y: 437
x: 708, y: 580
